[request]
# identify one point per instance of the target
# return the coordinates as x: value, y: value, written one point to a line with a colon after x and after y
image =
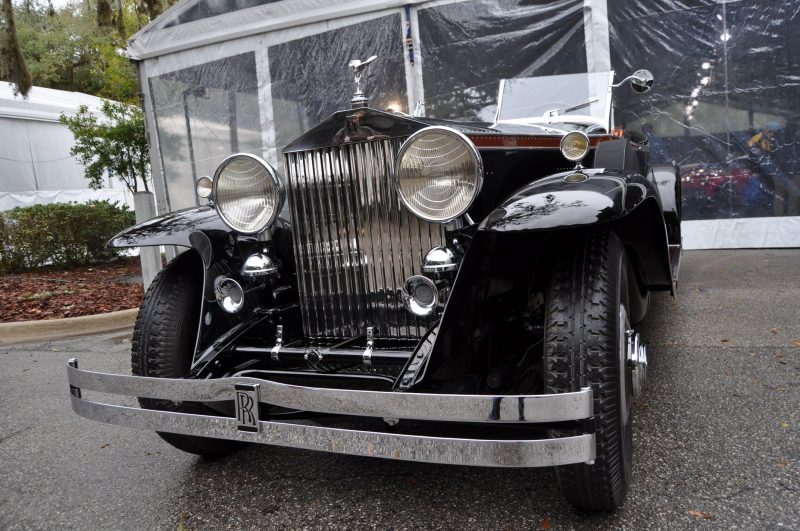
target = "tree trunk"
x: 120, y: 20
x: 13, y: 66
x: 105, y: 15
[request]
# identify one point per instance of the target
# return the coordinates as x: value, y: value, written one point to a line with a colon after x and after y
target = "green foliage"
x: 61, y: 235
x: 117, y: 74
x: 77, y: 47
x: 66, y: 50
x: 117, y: 145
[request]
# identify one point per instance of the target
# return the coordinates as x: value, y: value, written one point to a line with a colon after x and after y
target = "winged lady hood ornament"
x: 358, y: 66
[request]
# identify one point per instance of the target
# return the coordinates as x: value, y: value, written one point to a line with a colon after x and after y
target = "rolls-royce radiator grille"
x: 355, y: 244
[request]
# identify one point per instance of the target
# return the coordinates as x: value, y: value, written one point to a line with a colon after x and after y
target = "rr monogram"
x: 247, y: 407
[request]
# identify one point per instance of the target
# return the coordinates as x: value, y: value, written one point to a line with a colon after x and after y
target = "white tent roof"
x: 44, y: 103
x: 181, y: 28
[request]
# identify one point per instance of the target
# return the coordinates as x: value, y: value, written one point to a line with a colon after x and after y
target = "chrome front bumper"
x: 526, y: 409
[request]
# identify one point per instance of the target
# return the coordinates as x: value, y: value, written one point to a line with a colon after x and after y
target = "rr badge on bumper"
x: 247, y: 406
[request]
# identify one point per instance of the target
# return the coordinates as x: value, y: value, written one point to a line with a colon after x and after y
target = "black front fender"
x: 220, y: 251
x: 174, y: 228
x: 201, y: 229
x: 553, y: 203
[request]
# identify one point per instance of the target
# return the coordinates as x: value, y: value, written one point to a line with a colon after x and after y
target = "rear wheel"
x: 163, y: 344
x: 586, y: 327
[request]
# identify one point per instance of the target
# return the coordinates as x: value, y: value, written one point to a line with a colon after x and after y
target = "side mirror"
x: 642, y: 81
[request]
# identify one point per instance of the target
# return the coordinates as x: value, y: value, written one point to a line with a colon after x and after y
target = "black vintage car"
x: 445, y: 292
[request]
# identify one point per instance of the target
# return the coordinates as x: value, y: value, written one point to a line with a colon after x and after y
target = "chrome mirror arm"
x: 616, y: 85
x: 641, y: 81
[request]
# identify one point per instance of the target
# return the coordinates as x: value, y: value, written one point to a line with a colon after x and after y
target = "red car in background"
x: 730, y: 188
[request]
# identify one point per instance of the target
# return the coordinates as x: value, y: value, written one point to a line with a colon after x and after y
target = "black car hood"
x: 358, y: 125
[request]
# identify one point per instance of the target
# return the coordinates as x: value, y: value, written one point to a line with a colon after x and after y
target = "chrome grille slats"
x: 374, y: 155
x: 331, y: 250
x: 351, y: 264
x: 313, y: 244
x: 373, y: 236
x: 355, y: 244
x: 359, y: 268
x: 365, y: 226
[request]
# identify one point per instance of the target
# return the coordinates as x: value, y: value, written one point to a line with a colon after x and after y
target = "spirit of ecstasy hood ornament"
x: 358, y: 66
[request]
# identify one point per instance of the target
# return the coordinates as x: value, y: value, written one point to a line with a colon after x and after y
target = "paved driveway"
x: 717, y: 432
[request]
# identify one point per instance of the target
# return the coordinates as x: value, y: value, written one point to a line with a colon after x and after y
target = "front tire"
x: 164, y: 340
x: 585, y: 345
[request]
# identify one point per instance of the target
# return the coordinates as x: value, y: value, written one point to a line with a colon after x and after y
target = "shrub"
x: 61, y: 234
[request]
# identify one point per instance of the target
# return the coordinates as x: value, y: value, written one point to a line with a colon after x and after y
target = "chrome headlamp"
x: 248, y: 193
x: 439, y: 173
x: 204, y: 187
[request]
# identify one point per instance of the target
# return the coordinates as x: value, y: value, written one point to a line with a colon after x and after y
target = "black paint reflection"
x: 171, y: 229
x: 552, y: 203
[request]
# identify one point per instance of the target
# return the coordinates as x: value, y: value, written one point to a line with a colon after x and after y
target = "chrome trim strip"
x: 471, y: 452
x: 275, y: 352
x: 367, y: 356
x: 437, y: 407
x: 675, y: 253
x: 500, y: 92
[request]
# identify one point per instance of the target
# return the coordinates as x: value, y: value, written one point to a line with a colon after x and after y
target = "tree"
x: 12, y: 61
x: 116, y: 146
x: 66, y: 51
x: 78, y: 47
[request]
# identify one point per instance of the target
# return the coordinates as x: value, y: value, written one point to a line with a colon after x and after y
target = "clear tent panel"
x: 468, y: 47
x: 724, y: 105
x: 203, y: 114
x: 311, y: 79
x: 210, y: 8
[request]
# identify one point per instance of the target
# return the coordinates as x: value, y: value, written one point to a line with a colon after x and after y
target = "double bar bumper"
x: 249, y: 392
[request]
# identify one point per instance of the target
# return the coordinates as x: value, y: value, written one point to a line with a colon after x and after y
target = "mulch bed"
x: 53, y: 294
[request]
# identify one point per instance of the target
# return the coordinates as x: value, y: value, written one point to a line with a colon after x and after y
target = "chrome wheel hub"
x: 636, y: 355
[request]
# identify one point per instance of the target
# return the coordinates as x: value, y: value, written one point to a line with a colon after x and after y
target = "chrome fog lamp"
x: 420, y: 295
x: 248, y: 193
x: 441, y: 260
x: 259, y: 265
x: 230, y: 295
x: 575, y: 146
x: 439, y: 173
x: 204, y: 187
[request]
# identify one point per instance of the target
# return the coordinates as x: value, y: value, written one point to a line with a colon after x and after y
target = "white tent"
x: 221, y: 76
x: 35, y: 164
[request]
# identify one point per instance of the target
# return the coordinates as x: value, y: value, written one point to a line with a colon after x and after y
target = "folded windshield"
x: 544, y: 99
x: 551, y: 96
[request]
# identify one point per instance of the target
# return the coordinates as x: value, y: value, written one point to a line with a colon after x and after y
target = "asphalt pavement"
x: 717, y: 438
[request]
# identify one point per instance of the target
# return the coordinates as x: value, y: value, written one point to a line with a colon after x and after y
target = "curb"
x: 54, y: 329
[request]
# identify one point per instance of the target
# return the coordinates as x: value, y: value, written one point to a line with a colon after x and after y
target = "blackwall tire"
x: 585, y: 345
x: 163, y: 342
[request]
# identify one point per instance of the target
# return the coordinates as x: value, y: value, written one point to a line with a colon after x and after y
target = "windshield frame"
x: 581, y: 119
